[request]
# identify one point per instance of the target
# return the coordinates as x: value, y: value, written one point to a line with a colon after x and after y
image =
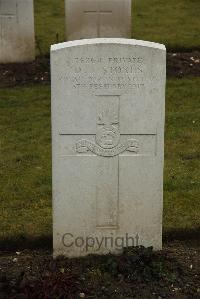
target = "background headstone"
x: 108, y: 99
x: 16, y: 31
x: 98, y: 18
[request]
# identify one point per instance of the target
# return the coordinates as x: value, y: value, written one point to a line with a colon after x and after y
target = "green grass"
x: 25, y: 160
x: 49, y: 24
x: 176, y: 23
x: 182, y: 155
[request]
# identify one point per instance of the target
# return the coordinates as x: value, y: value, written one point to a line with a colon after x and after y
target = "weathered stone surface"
x: 16, y: 31
x: 108, y: 99
x: 98, y: 18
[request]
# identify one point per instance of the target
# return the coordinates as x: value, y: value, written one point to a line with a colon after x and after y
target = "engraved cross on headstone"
x: 7, y: 10
x: 99, y: 12
x: 107, y: 148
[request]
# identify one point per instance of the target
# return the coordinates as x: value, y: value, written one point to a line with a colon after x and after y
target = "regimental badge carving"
x: 107, y: 135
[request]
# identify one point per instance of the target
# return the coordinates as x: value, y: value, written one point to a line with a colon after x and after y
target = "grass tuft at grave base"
x: 25, y: 163
x: 173, y: 23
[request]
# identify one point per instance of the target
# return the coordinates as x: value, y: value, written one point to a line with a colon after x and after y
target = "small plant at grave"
x: 49, y: 285
x: 138, y: 263
x: 94, y: 275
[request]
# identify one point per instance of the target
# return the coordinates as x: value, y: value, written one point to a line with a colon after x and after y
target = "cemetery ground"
x: 25, y: 160
x: 25, y: 170
x: 26, y: 208
x: 173, y: 23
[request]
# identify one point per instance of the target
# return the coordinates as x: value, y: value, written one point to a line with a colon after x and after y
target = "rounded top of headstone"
x: 110, y: 41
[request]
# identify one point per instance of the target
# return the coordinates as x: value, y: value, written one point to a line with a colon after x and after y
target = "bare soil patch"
x: 138, y: 273
x: 183, y: 64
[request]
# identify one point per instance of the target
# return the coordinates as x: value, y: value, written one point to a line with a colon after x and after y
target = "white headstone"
x: 98, y: 18
x: 16, y: 31
x: 108, y: 101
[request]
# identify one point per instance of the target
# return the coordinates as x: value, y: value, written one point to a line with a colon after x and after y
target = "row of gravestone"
x: 84, y: 19
x: 108, y: 103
